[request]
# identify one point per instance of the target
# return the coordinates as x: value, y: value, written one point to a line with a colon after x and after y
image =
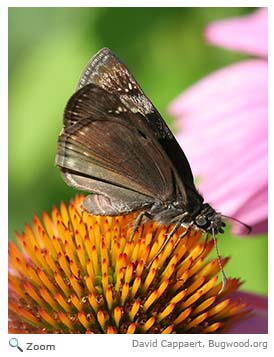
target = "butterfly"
x: 115, y: 145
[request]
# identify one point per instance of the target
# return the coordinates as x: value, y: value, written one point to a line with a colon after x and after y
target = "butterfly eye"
x: 201, y: 221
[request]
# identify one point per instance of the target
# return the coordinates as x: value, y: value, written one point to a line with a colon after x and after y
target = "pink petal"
x: 246, y: 33
x: 224, y: 135
x: 254, y: 212
x: 258, y: 228
x: 221, y: 85
x: 257, y: 321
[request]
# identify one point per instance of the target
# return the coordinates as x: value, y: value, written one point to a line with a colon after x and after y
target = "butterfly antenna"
x: 224, y: 279
x: 249, y: 229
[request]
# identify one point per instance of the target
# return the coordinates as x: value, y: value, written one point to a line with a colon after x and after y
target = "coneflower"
x: 78, y: 273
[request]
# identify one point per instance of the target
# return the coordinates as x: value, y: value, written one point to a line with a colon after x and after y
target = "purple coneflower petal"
x: 246, y: 33
x: 224, y: 134
x: 257, y: 321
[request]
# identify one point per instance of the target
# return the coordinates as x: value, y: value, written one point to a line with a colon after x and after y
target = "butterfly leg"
x: 138, y: 222
x: 181, y: 236
x: 177, y: 225
x: 169, y: 235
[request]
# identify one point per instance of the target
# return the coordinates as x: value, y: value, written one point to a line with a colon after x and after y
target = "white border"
x: 4, y: 167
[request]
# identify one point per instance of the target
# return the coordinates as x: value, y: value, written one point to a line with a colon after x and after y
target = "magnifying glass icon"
x: 13, y: 342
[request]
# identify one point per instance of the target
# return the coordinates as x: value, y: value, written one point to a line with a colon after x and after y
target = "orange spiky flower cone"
x: 77, y: 273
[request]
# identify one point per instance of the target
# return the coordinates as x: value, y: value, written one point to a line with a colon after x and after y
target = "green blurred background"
x: 48, y: 48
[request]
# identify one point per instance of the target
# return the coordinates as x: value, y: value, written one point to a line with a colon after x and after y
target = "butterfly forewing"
x: 107, y: 71
x: 114, y: 137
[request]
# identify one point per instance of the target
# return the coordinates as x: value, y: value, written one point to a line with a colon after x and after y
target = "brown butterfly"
x: 116, y: 146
